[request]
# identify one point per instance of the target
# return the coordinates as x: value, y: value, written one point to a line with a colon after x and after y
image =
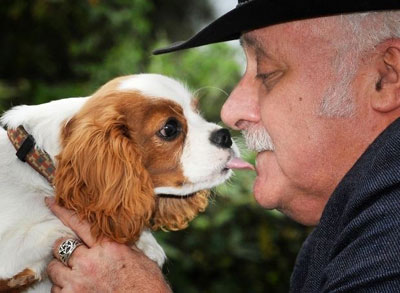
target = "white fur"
x: 28, y: 229
x: 202, y: 162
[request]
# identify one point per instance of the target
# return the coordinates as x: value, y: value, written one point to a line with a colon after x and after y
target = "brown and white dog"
x: 134, y: 156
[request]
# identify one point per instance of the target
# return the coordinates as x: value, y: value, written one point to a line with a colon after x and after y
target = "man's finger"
x: 70, y: 219
x: 76, y: 253
x: 58, y: 273
x: 55, y: 289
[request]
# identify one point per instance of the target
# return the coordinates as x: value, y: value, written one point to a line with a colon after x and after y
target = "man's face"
x: 278, y: 100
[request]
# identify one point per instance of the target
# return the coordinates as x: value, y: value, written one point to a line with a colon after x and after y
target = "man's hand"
x: 101, y: 266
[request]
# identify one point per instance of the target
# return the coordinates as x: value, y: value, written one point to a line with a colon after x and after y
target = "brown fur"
x: 175, y: 213
x: 100, y: 174
x: 19, y: 282
x: 112, y: 159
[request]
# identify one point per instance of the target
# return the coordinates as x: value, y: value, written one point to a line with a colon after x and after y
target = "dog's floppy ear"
x: 176, y: 213
x: 101, y: 177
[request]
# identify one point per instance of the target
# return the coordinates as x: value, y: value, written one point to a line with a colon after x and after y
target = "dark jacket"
x: 356, y: 246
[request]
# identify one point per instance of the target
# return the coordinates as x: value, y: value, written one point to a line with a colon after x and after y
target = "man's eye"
x: 266, y: 76
x: 170, y: 130
x: 269, y: 79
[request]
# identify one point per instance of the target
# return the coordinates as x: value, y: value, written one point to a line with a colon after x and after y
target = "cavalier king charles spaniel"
x: 133, y: 157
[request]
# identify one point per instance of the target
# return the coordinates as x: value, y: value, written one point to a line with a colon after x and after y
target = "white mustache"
x: 258, y: 139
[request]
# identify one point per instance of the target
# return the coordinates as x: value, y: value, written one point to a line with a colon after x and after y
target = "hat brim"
x: 260, y: 13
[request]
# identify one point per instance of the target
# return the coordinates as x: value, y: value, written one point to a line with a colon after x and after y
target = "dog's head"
x: 132, y: 153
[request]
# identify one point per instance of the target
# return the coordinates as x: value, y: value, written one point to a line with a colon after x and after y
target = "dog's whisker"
x: 210, y: 87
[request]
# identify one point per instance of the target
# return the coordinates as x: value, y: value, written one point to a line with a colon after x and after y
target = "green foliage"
x: 54, y: 49
x: 200, y: 69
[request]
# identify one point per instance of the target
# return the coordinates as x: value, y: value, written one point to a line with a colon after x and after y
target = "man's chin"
x: 267, y: 201
x: 261, y: 195
x: 271, y: 195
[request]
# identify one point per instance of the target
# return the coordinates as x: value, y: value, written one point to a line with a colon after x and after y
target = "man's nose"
x: 241, y: 106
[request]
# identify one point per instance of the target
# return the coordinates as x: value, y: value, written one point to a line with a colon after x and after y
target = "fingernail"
x: 49, y: 200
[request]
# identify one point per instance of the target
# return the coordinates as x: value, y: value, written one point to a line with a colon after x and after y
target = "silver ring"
x: 66, y: 249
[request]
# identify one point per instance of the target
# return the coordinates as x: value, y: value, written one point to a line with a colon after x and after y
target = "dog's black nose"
x: 221, y: 138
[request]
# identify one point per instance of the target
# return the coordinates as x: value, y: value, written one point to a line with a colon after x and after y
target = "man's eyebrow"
x: 252, y: 42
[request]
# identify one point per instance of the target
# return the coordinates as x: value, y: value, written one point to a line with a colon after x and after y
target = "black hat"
x: 252, y: 14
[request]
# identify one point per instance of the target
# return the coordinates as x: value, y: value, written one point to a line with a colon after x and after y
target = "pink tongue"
x: 238, y: 163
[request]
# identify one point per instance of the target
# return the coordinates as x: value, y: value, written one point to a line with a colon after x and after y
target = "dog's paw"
x: 148, y: 244
x: 20, y: 281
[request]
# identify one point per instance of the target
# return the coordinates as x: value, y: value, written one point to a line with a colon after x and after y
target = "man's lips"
x: 238, y: 163
x: 261, y: 157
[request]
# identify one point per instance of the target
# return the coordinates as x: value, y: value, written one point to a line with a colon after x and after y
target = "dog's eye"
x: 170, y: 130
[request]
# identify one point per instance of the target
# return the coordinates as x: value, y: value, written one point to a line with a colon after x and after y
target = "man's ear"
x: 387, y: 95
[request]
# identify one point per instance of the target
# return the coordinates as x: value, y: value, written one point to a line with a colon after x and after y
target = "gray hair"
x: 362, y: 32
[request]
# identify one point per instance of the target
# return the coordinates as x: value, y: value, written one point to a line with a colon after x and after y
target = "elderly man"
x: 319, y: 102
